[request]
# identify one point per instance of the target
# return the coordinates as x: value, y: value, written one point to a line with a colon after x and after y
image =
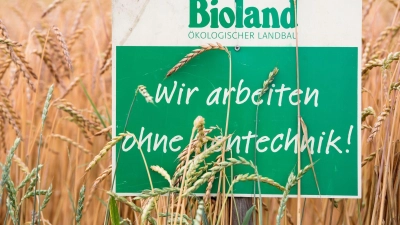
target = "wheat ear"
x: 381, y: 118
x: 51, y: 7
x: 64, y: 47
x: 105, y: 149
x: 195, y: 53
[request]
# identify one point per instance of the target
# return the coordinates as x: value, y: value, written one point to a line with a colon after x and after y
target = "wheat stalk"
x: 6, y: 167
x: 199, y: 125
x: 106, y: 66
x: 2, y: 135
x: 151, y: 203
x: 369, y: 111
x: 50, y: 66
x: 107, y: 56
x: 105, y: 149
x: 199, y: 213
x: 104, y: 131
x: 9, y: 42
x: 12, y: 196
x: 381, y: 118
x: 51, y: 7
x: 125, y: 201
x: 156, y: 192
x: 72, y: 142
x: 46, y: 198
x: 367, y: 8
x: 383, y: 35
x: 207, y: 196
x: 75, y: 36
x: 79, y: 15
x: 64, y: 47
x: 4, y: 66
x: 21, y: 164
x: 282, y: 206
x: 162, y: 172
x: 195, y: 53
x: 384, y: 63
x: 79, y: 207
x: 19, y: 60
x: 71, y: 86
x: 29, y: 176
x: 102, y: 176
x: 13, y: 82
x: 143, y: 91
x: 32, y: 194
x: 268, y: 82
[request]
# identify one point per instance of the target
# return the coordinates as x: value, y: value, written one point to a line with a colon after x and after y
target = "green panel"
x: 331, y: 71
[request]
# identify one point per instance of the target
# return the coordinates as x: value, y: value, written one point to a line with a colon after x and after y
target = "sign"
x: 150, y: 37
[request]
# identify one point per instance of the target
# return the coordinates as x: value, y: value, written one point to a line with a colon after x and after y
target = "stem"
x: 298, y: 118
x: 119, y: 153
x: 183, y: 179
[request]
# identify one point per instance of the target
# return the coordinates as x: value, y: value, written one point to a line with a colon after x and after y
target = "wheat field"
x: 65, y: 46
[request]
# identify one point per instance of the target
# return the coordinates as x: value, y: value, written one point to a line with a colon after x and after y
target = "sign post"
x: 151, y: 36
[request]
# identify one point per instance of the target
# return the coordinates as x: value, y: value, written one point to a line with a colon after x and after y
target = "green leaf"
x: 248, y: 215
x: 93, y: 106
x: 114, y: 212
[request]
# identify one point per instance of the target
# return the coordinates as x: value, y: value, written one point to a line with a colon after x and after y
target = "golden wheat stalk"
x: 75, y: 36
x: 383, y: 35
x: 393, y: 56
x: 8, y: 112
x: 72, y: 142
x: 195, y: 53
x: 367, y: 8
x: 71, y: 86
x: 48, y: 41
x: 381, y: 118
x: 18, y: 58
x: 13, y: 82
x: 369, y: 111
x: 2, y: 135
x: 105, y: 149
x: 50, y: 66
x: 102, y: 176
x: 3, y: 67
x: 103, y: 131
x: 79, y: 15
x: 64, y: 47
x: 393, y: 2
x: 9, y: 42
x: 366, y: 52
x: 106, y: 66
x: 51, y: 7
x: 199, y: 125
x: 368, y: 159
x: 107, y: 55
x: 210, y: 182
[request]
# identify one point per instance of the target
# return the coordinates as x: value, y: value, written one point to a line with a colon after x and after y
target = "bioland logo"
x: 208, y: 13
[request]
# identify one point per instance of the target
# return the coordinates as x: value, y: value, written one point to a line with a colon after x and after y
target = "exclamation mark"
x: 349, y: 137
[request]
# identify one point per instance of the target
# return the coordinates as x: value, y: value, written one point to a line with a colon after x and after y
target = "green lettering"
x: 252, y: 18
x: 288, y: 16
x: 214, y: 18
x: 239, y: 13
x: 270, y: 13
x: 222, y: 18
x: 195, y: 11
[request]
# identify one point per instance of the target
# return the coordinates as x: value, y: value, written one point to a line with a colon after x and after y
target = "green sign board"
x: 150, y: 37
